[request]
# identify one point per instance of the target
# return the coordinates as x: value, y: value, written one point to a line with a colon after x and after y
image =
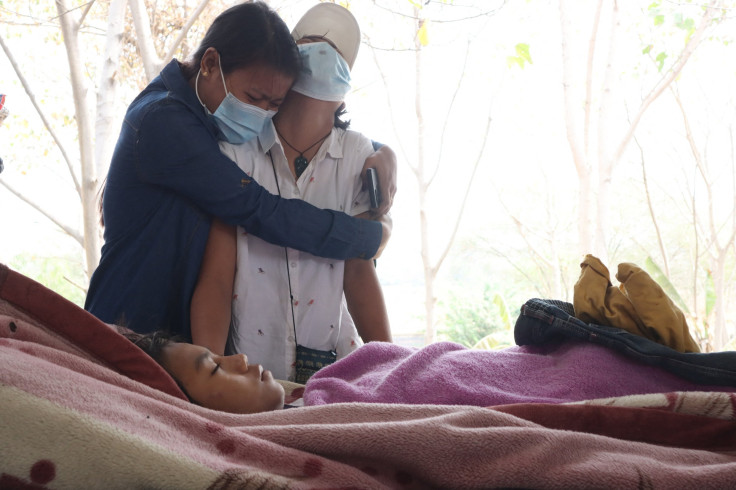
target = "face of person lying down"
x: 226, y: 383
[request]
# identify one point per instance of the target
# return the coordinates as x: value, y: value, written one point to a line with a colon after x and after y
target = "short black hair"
x: 153, y: 344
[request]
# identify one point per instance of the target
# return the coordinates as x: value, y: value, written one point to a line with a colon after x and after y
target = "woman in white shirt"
x: 285, y: 301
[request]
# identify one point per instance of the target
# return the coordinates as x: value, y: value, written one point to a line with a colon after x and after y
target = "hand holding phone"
x: 373, y: 191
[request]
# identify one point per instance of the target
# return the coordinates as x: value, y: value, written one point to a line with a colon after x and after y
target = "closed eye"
x: 217, y: 366
x: 254, y: 99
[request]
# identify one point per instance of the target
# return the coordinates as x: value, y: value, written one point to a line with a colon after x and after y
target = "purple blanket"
x: 449, y: 374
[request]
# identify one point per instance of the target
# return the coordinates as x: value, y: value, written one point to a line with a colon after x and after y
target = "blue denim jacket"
x: 541, y: 321
x: 166, y: 179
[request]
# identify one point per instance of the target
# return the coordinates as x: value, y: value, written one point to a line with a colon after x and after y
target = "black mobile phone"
x: 373, y: 191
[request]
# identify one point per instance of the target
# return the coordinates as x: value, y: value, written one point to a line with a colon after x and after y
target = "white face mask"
x: 325, y: 74
x: 238, y: 121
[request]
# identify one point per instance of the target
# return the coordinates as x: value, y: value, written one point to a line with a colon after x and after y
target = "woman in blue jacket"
x: 168, y: 178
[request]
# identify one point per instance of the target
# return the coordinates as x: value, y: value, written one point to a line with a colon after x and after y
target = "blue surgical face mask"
x: 325, y: 74
x: 238, y: 121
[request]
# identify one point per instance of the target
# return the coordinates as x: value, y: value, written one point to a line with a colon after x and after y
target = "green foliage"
x: 423, y: 33
x: 710, y: 294
x: 503, y: 311
x: 731, y: 345
x: 60, y: 274
x: 686, y: 24
x: 493, y: 341
x: 479, y: 324
x: 654, y: 270
x: 521, y: 57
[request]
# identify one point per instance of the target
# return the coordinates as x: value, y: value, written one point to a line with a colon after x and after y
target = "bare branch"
x: 86, y: 10
x: 41, y: 114
x: 696, y: 257
x: 521, y: 227
x: 184, y: 31
x: 605, y: 163
x: 578, y: 156
x: 76, y: 285
x: 151, y: 61
x: 653, y: 215
x: 418, y: 109
x: 540, y: 261
x: 391, y: 111
x: 515, y: 265
x: 700, y: 166
x: 441, y: 20
x: 586, y: 204
x: 82, y: 112
x: 589, y: 77
x: 733, y: 179
x: 460, y: 212
x: 65, y: 228
x: 447, y: 116
x: 668, y: 78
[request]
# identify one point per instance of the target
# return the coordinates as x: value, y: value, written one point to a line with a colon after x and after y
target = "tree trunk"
x: 80, y: 91
x: 106, y: 122
x: 142, y: 24
x: 106, y: 125
x: 718, y: 248
x: 605, y: 159
x: 573, y: 132
x: 430, y: 300
x: 720, y: 335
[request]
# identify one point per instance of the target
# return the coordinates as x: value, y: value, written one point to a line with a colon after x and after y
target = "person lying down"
x: 556, y: 369
x: 443, y: 373
x: 224, y: 383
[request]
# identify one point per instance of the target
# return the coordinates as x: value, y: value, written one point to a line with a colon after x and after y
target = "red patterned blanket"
x: 83, y: 408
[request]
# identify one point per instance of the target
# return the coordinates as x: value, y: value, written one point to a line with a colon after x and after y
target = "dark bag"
x: 309, y: 361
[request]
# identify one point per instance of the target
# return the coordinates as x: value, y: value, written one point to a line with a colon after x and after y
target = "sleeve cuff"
x: 369, y: 234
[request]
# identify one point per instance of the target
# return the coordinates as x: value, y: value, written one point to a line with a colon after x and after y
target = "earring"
x: 205, y: 73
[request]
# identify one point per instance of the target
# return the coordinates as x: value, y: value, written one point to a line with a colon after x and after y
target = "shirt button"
x: 293, y: 264
x: 291, y: 338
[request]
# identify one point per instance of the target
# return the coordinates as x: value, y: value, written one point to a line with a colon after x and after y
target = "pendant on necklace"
x: 300, y: 165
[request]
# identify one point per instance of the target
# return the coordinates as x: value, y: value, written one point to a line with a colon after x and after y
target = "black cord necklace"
x: 301, y: 163
x: 307, y: 360
x: 286, y: 254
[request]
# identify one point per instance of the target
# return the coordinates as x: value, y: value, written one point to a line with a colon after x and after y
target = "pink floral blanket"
x: 80, y: 408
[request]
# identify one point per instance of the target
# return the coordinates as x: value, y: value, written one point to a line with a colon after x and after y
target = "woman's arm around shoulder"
x: 185, y: 158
